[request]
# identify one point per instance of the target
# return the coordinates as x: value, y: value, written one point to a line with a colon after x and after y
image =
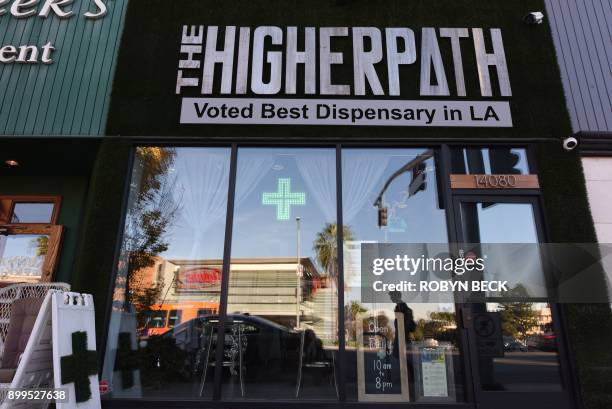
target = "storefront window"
x: 32, y: 213
x: 22, y: 257
x: 169, y: 275
x: 30, y: 241
x: 281, y: 338
x: 390, y: 196
x: 487, y: 161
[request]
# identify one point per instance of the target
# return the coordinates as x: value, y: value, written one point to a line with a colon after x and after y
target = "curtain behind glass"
x: 167, y: 288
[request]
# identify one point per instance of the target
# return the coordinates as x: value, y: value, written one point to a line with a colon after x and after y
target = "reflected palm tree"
x: 326, y: 247
x: 42, y: 245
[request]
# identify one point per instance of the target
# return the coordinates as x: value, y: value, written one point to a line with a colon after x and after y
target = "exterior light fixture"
x: 533, y: 18
x: 11, y: 162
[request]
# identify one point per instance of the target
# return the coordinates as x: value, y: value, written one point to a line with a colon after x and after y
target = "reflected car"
x: 265, y: 346
x: 512, y: 344
x: 548, y: 343
x: 544, y: 342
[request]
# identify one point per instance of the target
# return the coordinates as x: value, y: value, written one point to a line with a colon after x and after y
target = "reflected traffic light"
x: 504, y: 161
x: 382, y: 216
x: 418, y: 182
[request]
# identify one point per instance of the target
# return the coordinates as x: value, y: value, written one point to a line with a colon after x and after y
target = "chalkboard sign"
x: 381, y: 360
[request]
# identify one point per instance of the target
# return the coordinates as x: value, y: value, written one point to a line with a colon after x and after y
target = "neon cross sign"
x: 283, y: 199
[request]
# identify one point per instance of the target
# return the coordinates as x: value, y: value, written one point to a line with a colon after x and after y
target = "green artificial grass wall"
x: 95, y: 262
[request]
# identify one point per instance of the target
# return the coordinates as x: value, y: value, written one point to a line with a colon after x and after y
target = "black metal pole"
x: 225, y: 274
x: 340, y: 278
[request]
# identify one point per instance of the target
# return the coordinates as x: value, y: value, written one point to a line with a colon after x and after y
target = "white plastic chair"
x: 14, y: 292
x: 33, y: 368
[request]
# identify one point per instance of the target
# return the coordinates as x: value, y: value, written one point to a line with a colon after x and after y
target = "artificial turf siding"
x: 143, y: 103
x: 95, y: 263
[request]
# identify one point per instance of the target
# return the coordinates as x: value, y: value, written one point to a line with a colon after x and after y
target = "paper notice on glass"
x: 433, y: 366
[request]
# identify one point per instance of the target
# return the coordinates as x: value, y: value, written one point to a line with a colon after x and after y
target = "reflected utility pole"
x: 298, y: 273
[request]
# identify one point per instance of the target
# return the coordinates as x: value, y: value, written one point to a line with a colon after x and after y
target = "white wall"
x: 598, y: 174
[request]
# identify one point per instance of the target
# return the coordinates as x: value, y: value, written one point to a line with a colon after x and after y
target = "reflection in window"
x: 32, y: 213
x: 174, y: 318
x: 282, y: 303
x: 390, y: 196
x: 156, y: 319
x: 513, y: 225
x: 22, y: 257
x: 529, y: 360
x: 168, y: 279
x: 489, y: 161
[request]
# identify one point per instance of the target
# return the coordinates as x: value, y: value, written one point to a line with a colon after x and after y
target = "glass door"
x: 516, y: 353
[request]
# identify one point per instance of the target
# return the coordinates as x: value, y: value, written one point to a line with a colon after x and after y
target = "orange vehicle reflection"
x: 163, y: 317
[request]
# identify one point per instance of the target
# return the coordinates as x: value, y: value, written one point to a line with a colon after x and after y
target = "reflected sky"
x: 25, y: 245
x: 283, y: 173
x: 198, y: 230
x: 507, y: 223
x: 32, y: 213
x: 412, y: 219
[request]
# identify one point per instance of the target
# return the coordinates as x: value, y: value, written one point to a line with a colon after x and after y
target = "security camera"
x: 535, y: 17
x: 569, y: 144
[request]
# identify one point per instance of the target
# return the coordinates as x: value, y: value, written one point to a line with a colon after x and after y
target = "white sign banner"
x: 426, y: 113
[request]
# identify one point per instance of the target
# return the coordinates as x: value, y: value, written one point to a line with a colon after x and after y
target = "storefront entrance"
x: 527, y: 369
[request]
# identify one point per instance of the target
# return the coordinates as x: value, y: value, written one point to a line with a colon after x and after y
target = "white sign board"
x: 73, y: 313
x: 52, y: 358
x: 433, y: 366
x: 345, y: 112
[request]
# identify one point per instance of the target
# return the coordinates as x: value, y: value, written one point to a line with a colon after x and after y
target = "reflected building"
x: 264, y: 287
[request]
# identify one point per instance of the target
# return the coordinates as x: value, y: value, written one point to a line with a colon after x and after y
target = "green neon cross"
x: 284, y: 199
